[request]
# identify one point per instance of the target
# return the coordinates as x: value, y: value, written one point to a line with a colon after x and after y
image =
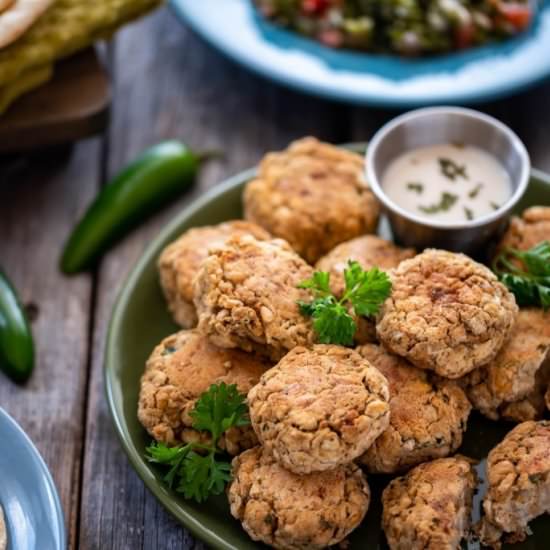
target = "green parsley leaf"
x: 526, y: 273
x: 306, y: 308
x: 319, y: 283
x: 333, y: 324
x: 537, y: 259
x: 203, y: 476
x: 172, y: 456
x: 195, y: 469
x: 365, y: 292
x: 160, y: 453
x: 218, y: 409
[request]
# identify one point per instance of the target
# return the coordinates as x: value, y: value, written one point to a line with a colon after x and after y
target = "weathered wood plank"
x: 40, y: 199
x: 169, y: 84
x: 528, y: 114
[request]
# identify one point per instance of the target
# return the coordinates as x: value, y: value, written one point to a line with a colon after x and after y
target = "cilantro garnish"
x: 528, y: 279
x: 365, y: 292
x: 195, y: 469
x: 475, y: 191
x: 452, y: 170
x: 446, y: 202
x: 416, y: 187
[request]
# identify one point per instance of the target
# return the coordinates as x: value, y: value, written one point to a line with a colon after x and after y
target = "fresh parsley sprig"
x: 365, y: 292
x: 197, y: 470
x: 528, y: 278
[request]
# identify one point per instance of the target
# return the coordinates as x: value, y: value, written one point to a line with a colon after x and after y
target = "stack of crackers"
x: 36, y: 33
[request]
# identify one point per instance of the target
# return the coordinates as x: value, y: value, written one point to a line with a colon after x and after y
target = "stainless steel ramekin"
x: 439, y: 125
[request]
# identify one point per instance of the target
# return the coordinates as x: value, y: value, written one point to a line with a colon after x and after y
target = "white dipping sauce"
x: 447, y: 183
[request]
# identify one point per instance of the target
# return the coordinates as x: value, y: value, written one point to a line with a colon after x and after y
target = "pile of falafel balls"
x: 450, y: 337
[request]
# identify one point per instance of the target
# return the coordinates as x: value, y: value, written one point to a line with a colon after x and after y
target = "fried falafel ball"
x: 246, y: 295
x: 180, y: 369
x: 512, y: 385
x: 313, y: 195
x: 319, y: 408
x: 292, y: 512
x: 532, y: 228
x: 446, y: 313
x: 179, y: 262
x: 369, y: 251
x: 429, y: 508
x: 518, y: 476
x: 531, y: 407
x: 427, y: 417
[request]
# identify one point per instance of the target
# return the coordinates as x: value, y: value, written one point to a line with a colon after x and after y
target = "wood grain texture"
x: 40, y: 198
x: 197, y: 96
x: 528, y: 114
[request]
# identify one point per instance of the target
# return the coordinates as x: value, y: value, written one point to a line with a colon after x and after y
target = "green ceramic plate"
x: 140, y: 320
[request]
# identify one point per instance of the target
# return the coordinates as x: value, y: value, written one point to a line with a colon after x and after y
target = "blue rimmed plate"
x: 479, y: 74
x: 32, y: 510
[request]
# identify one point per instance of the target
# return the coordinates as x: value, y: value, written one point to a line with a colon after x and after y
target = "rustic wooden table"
x: 167, y: 83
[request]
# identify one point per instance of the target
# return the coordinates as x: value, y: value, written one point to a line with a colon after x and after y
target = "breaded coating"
x: 427, y: 417
x: 314, y: 195
x: 446, y: 313
x: 179, y: 263
x: 511, y: 376
x: 180, y: 369
x: 518, y: 476
x: 319, y: 408
x: 532, y: 228
x: 429, y: 508
x: 246, y: 295
x: 294, y: 512
x: 369, y: 251
x: 531, y: 407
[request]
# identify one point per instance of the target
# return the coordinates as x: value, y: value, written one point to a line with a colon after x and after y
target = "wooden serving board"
x: 73, y: 105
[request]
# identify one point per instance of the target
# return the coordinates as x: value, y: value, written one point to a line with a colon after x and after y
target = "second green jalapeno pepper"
x: 16, y: 342
x: 147, y: 184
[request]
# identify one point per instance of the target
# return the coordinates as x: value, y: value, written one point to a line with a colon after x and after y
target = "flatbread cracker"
x: 5, y: 4
x: 68, y: 26
x: 19, y: 18
x: 3, y: 532
x: 27, y: 81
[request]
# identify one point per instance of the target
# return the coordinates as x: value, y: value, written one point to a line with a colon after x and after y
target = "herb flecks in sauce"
x: 487, y: 181
x: 447, y: 201
x: 475, y: 191
x: 494, y: 205
x: 416, y: 187
x: 452, y: 170
x: 469, y: 213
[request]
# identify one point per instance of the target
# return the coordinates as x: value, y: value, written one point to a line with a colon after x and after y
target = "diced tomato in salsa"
x: 315, y: 7
x: 464, y: 36
x: 518, y: 15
